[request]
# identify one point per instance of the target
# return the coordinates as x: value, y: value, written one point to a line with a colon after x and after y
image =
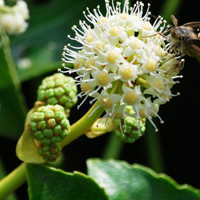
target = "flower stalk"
x: 12, y: 181
x: 81, y: 126
x: 84, y: 124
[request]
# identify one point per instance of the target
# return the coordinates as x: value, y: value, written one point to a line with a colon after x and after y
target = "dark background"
x: 179, y: 136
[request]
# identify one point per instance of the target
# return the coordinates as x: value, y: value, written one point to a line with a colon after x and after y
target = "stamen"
x: 123, y: 47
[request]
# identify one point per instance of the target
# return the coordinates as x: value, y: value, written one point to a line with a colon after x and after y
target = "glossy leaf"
x: 124, y: 181
x: 47, y: 183
x: 12, y: 113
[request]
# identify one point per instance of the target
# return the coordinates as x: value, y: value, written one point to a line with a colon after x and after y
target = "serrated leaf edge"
x: 150, y: 171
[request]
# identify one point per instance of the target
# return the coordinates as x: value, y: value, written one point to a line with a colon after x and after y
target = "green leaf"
x: 39, y: 49
x: 170, y: 7
x: 47, y: 183
x: 12, y: 113
x: 122, y: 181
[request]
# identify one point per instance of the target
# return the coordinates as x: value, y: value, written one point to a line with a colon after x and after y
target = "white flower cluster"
x: 13, y: 19
x: 123, y: 60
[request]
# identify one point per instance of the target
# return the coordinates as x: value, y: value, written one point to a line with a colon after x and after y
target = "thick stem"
x: 12, y: 181
x: 116, y: 149
x: 84, y: 124
x: 153, y: 148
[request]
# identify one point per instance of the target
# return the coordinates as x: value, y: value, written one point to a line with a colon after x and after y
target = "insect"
x: 186, y: 38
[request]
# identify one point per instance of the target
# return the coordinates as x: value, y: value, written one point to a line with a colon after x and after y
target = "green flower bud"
x: 64, y: 133
x: 129, y: 129
x: 57, y: 130
x: 46, y: 148
x: 63, y: 100
x: 50, y: 153
x: 42, y: 125
x: 48, y: 133
x: 52, y: 101
x: 49, y: 93
x: 59, y: 116
x: 49, y: 126
x: 48, y: 113
x: 37, y: 117
x: 58, y: 89
x: 51, y: 123
x: 38, y: 135
x: 56, y: 139
x: 64, y: 123
x: 46, y: 141
x: 33, y: 126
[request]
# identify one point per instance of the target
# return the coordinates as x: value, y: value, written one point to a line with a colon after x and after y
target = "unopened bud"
x: 130, y: 131
x: 58, y: 89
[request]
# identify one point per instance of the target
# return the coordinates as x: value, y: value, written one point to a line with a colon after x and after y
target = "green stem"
x: 170, y: 7
x: 84, y: 124
x: 113, y: 147
x: 153, y: 148
x: 2, y: 174
x: 13, y: 181
x: 9, y: 61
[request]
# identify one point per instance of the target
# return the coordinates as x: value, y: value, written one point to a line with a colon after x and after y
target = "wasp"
x: 185, y: 39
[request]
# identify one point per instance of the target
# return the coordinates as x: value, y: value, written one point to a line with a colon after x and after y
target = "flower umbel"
x: 123, y: 48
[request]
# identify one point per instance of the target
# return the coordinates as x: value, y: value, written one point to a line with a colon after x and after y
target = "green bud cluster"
x: 50, y: 126
x: 129, y: 131
x: 58, y: 89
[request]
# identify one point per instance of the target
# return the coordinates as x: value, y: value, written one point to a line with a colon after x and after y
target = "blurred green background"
x: 174, y: 150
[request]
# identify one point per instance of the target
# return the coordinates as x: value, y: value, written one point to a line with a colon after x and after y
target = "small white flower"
x: 108, y: 101
x: 123, y: 48
x: 131, y: 96
x: 147, y: 110
x: 147, y: 29
x: 159, y: 87
x: 133, y: 45
x: 88, y: 90
x: 7, y: 22
x: 103, y: 78
x: 128, y: 73
x: 2, y: 3
x: 12, y: 21
x: 23, y: 8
